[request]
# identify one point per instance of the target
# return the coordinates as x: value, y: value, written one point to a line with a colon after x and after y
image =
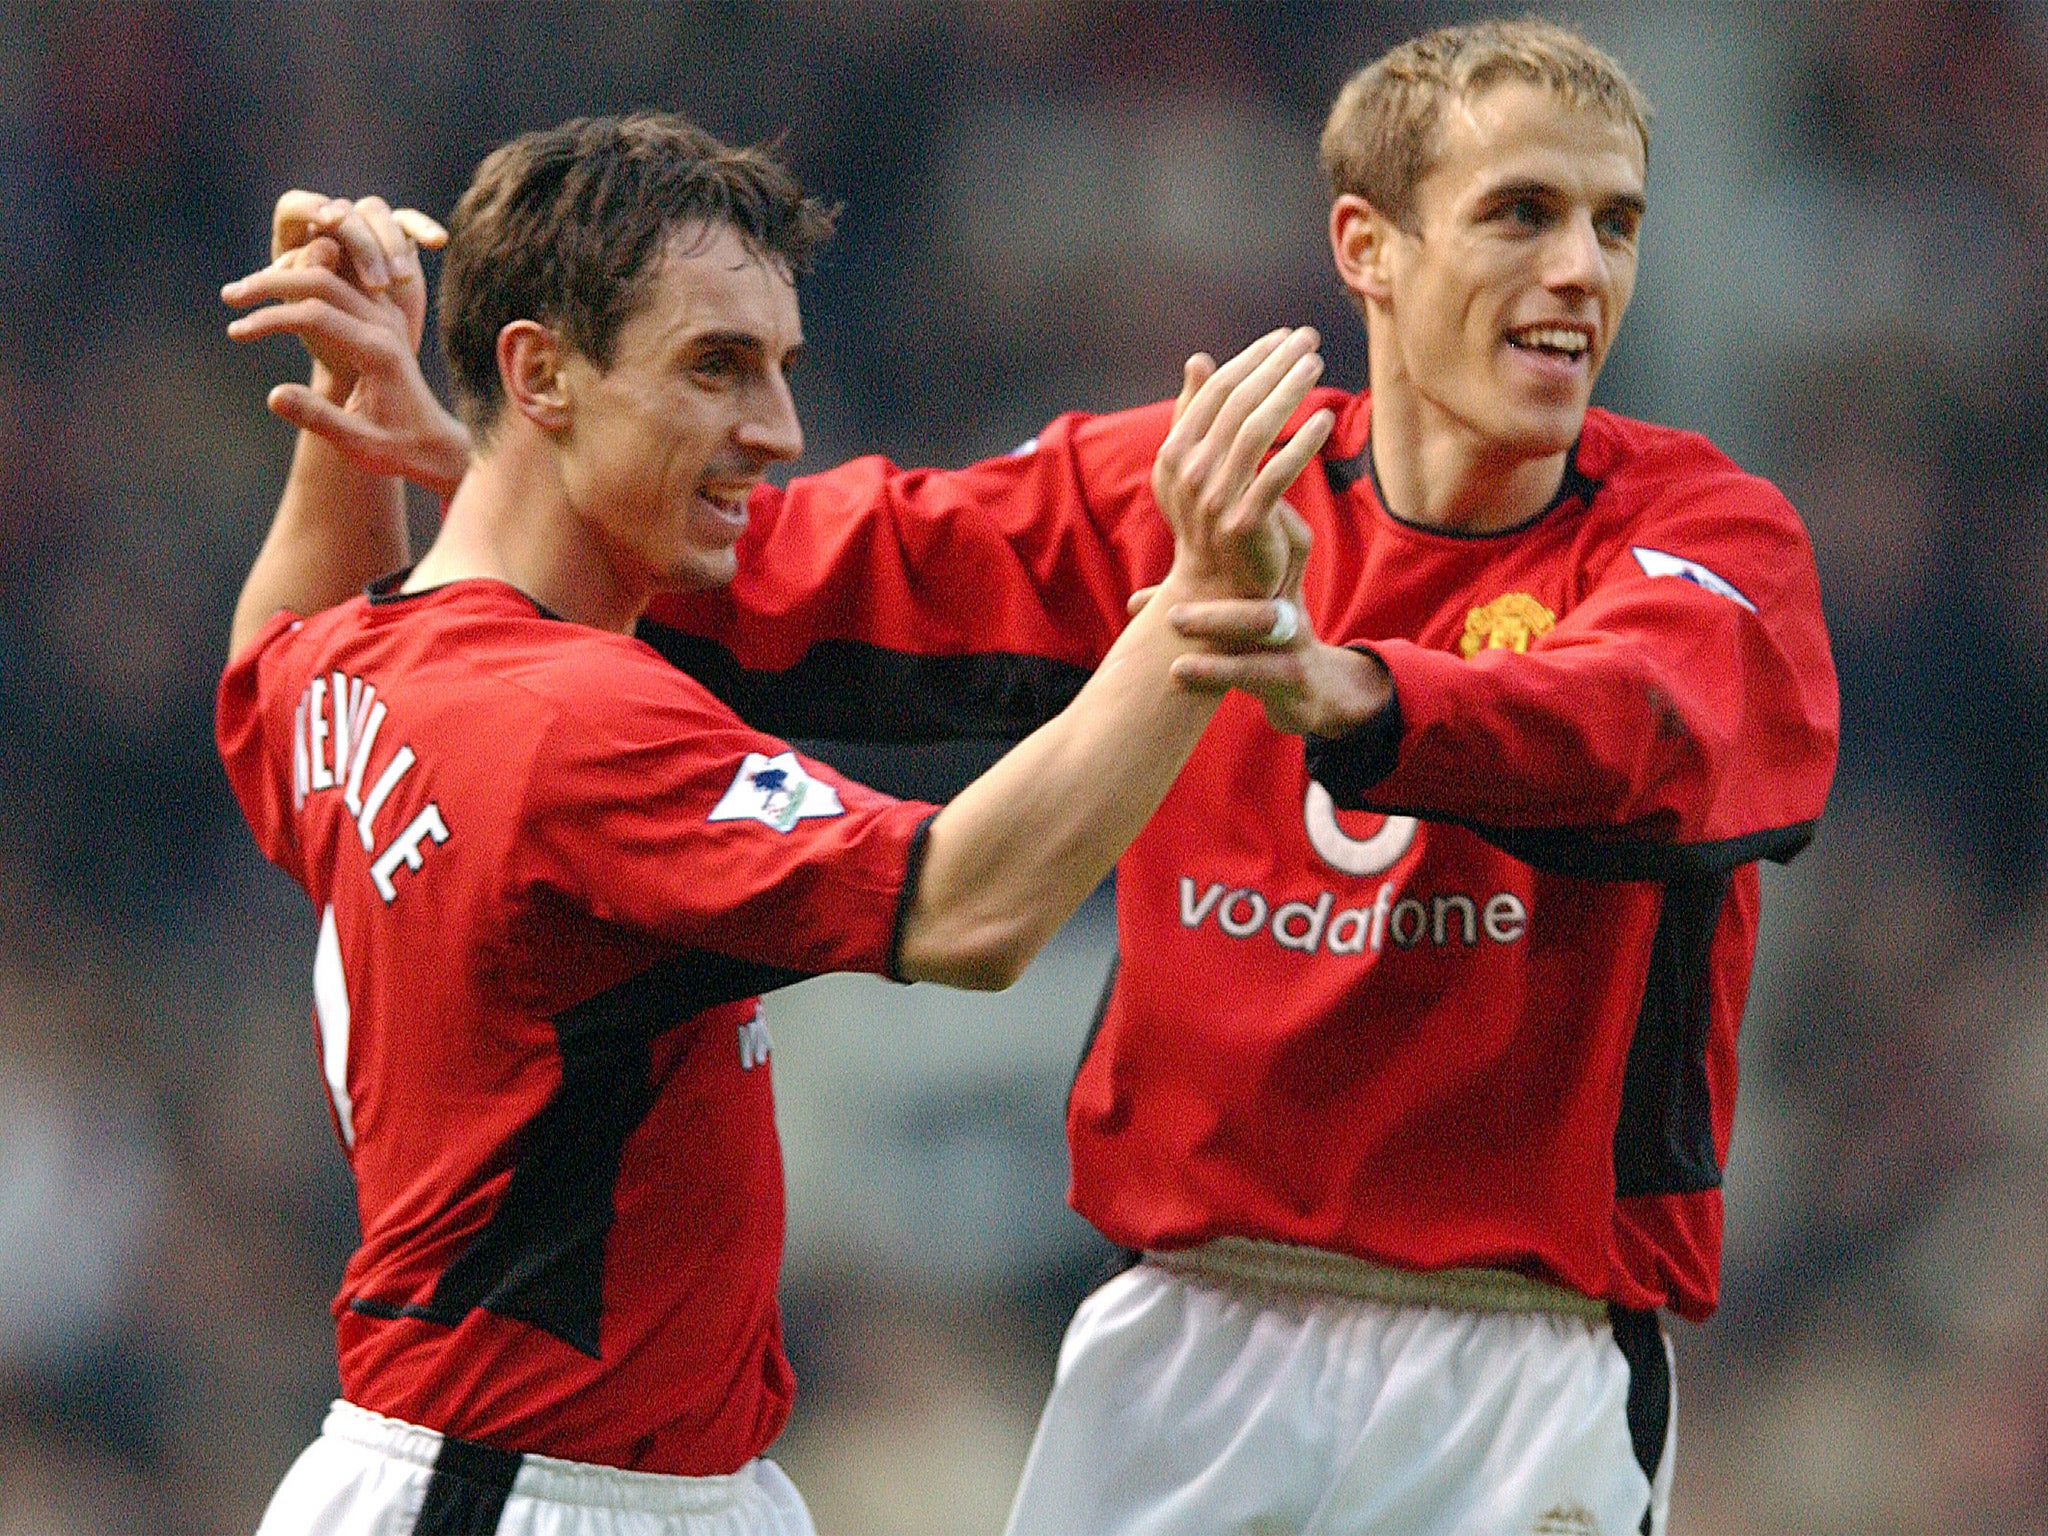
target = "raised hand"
x: 346, y: 281
x: 382, y: 245
x: 1248, y: 547
x: 1232, y: 532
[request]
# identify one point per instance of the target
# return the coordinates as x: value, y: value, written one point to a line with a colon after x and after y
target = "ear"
x: 530, y: 372
x: 1361, y: 240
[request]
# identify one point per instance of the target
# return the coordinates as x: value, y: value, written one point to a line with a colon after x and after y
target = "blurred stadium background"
x: 1046, y: 205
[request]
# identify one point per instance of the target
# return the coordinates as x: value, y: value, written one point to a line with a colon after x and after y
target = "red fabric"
x: 573, y: 772
x: 1400, y: 1093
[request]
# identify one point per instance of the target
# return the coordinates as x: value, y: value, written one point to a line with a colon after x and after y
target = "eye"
x: 1619, y: 225
x: 717, y: 363
x: 1524, y: 213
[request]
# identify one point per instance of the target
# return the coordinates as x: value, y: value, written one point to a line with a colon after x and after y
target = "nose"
x: 769, y: 430
x: 1575, y: 261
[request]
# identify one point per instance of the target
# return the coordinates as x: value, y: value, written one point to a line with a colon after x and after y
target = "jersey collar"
x: 1345, y: 473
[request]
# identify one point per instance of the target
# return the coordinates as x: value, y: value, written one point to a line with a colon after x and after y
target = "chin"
x: 704, y: 569
x: 1538, y: 432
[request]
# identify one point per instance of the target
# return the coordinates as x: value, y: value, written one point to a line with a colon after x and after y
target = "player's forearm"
x: 1010, y: 859
x: 1700, y: 748
x: 336, y: 528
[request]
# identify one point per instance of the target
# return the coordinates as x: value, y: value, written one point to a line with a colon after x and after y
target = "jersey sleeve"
x: 875, y: 603
x: 253, y: 732
x: 1681, y: 719
x: 664, y: 815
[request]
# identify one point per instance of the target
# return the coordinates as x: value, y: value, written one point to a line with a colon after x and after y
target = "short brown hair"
x: 1380, y: 140
x: 565, y: 226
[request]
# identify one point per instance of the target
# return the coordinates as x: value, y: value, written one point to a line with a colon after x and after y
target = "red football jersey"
x: 1466, y: 994
x: 551, y: 873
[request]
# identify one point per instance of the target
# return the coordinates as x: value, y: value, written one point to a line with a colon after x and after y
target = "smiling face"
x: 662, y: 446
x: 1491, y: 316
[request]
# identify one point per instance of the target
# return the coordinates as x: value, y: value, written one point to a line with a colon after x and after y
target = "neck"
x: 511, y: 520
x: 1438, y: 471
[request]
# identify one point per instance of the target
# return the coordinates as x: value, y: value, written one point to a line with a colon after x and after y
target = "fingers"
x: 401, y: 255
x: 362, y: 441
x: 295, y: 220
x: 1266, y: 675
x: 1285, y: 467
x: 317, y: 252
x: 302, y: 216
x: 301, y: 281
x: 1241, y: 623
x: 328, y: 332
x: 1135, y: 603
x: 430, y: 235
x: 1211, y: 394
x: 1259, y: 403
x: 1194, y: 375
x: 380, y: 241
x: 1214, y: 448
x: 359, y: 237
x: 1255, y: 433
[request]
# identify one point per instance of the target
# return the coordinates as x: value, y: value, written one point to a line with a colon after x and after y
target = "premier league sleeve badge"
x: 776, y: 792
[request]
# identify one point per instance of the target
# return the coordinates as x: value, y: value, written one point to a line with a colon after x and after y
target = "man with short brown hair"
x: 552, y: 873
x: 1415, y: 1082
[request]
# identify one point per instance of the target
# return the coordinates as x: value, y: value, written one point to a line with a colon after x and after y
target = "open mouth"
x: 726, y: 502
x: 1562, y: 343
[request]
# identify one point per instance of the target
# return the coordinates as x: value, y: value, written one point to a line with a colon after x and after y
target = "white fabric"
x: 367, y: 1476
x: 1187, y: 1407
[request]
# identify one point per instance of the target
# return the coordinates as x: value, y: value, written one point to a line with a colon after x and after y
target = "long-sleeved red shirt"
x: 550, y: 875
x: 1461, y: 988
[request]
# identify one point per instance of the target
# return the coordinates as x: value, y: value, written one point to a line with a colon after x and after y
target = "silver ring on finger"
x: 1286, y: 624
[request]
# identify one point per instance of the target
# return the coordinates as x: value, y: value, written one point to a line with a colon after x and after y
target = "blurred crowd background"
x: 1845, y: 283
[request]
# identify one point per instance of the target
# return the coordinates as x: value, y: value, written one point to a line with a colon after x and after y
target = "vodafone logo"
x: 1347, y: 854
x: 1440, y: 920
x: 1443, y: 920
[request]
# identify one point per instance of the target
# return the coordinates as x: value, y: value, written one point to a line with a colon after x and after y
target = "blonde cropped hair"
x: 1380, y: 140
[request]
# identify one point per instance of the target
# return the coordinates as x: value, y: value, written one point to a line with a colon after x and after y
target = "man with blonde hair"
x: 1413, y: 1087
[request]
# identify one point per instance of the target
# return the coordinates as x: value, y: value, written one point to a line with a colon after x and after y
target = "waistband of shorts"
x: 549, y: 1478
x: 1291, y: 1267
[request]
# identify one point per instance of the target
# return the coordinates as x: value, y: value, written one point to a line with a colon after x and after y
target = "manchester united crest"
x: 1508, y: 623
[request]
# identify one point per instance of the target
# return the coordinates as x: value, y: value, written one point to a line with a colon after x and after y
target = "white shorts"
x: 1190, y: 1404
x: 371, y: 1476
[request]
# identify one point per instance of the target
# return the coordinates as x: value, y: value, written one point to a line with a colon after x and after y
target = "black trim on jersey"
x: 848, y: 690
x: 1577, y: 852
x: 384, y: 591
x: 1343, y: 474
x: 1664, y: 1138
x: 468, y: 1489
x: 913, y: 874
x: 540, y: 1257
x: 1349, y: 766
x: 1116, y: 964
x: 1640, y: 1339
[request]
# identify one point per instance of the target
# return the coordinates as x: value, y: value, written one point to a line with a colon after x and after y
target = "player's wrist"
x: 1201, y: 575
x: 1358, y: 691
x: 1192, y: 582
x: 442, y: 456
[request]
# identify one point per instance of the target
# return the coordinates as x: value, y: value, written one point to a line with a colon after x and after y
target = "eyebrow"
x: 1530, y: 187
x: 745, y: 340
